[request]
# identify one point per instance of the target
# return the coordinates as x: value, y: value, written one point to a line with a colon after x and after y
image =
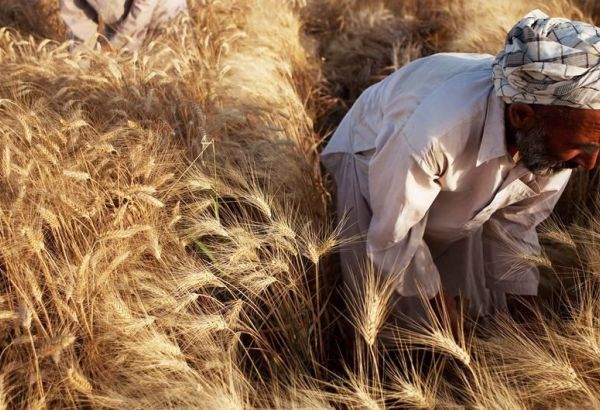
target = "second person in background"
x: 124, y: 23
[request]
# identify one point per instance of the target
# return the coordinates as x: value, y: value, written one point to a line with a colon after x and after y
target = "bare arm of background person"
x: 131, y: 32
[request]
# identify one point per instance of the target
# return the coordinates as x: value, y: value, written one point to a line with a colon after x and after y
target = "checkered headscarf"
x: 550, y: 61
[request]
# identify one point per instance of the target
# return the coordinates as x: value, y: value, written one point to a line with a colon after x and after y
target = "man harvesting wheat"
x: 124, y: 23
x: 447, y: 166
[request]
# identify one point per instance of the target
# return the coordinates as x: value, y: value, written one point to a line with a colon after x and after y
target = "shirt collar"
x: 493, y: 140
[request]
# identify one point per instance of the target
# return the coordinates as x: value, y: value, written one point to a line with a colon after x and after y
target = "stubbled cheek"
x: 566, y: 155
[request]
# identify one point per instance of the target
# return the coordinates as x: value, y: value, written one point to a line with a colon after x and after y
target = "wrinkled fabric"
x: 550, y: 61
x: 127, y: 21
x: 424, y: 180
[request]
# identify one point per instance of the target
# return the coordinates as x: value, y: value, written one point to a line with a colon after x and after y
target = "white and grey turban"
x: 550, y: 61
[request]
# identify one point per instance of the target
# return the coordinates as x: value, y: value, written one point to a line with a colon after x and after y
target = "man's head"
x: 552, y: 138
x: 549, y: 75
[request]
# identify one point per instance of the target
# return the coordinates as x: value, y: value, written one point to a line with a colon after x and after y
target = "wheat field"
x: 167, y: 237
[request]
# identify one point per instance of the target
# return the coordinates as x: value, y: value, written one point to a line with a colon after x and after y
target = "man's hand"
x: 446, y: 309
x: 524, y: 310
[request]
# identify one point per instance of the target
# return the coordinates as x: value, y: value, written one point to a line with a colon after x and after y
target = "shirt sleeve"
x: 80, y: 19
x: 402, y: 186
x: 132, y: 31
x: 510, y: 242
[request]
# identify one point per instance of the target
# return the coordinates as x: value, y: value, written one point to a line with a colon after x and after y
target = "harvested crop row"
x: 153, y: 213
x: 163, y: 229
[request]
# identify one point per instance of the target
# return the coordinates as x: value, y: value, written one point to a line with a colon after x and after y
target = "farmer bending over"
x: 447, y: 166
x: 124, y: 23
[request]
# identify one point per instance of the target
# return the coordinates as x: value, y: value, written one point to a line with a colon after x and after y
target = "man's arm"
x: 402, y: 186
x: 510, y: 241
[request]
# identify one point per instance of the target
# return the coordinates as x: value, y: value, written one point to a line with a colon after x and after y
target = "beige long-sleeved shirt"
x: 128, y: 21
x: 437, y: 169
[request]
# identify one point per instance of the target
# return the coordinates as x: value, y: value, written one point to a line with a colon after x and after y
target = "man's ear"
x: 521, y: 116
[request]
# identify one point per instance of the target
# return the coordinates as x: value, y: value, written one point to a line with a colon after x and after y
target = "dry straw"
x: 164, y: 239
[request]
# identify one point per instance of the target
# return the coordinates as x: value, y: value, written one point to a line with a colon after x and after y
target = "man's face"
x: 561, y: 137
